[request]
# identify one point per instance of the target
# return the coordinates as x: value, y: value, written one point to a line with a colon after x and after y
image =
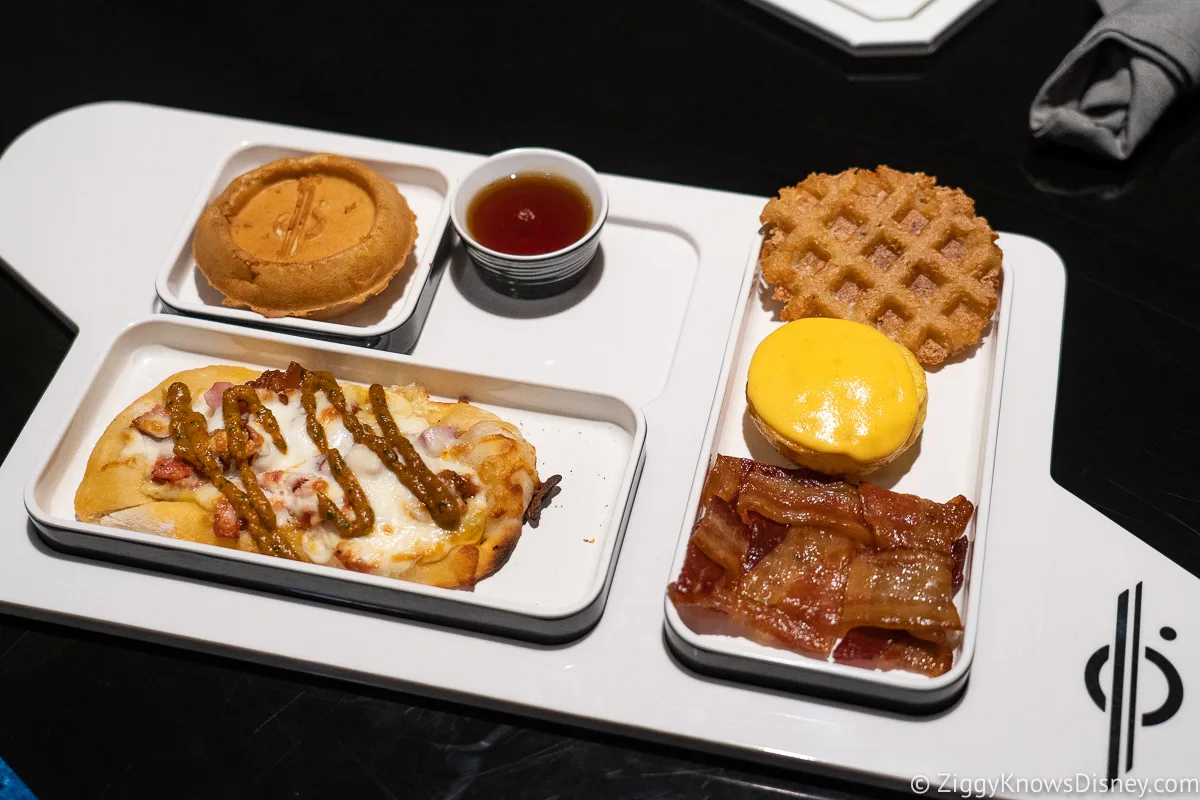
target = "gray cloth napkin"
x: 1109, y: 91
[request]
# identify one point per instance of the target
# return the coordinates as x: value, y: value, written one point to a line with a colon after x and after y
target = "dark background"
x: 707, y: 92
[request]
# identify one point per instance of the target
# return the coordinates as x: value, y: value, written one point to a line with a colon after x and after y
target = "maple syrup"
x: 529, y: 214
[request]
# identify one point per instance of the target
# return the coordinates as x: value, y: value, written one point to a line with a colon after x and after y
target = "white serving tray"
x: 1055, y: 566
x: 879, y: 27
x: 955, y: 455
x: 398, y: 310
x: 552, y: 589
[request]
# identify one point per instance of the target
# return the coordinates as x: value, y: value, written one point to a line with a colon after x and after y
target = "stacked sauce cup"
x: 530, y: 219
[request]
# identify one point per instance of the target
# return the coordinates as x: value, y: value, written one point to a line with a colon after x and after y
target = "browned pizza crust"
x: 114, y: 490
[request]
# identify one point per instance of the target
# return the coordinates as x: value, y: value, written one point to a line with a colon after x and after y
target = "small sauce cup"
x: 531, y: 275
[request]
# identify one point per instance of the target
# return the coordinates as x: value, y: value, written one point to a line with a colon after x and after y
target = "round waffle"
x: 885, y: 248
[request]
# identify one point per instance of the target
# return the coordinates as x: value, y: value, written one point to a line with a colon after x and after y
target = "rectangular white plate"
x: 954, y: 456
x: 426, y: 188
x: 553, y: 587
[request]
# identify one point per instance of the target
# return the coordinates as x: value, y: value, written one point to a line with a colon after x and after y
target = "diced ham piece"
x: 214, y: 395
x: 169, y: 469
x: 298, y: 482
x: 271, y: 480
x: 437, y: 439
x: 226, y: 524
x: 155, y: 423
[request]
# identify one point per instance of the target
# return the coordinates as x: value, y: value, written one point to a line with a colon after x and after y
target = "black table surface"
x: 713, y: 93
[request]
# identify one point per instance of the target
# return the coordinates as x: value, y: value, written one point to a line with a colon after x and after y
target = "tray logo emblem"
x: 1115, y: 702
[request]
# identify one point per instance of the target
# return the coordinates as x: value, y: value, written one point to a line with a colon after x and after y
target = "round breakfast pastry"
x: 304, y: 237
x: 297, y: 465
x: 836, y: 396
x: 888, y: 249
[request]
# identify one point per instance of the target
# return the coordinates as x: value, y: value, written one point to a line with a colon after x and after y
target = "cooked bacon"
x: 700, y: 574
x: 765, y: 624
x: 795, y: 559
x: 169, y: 469
x: 722, y: 536
x: 274, y: 380
x: 272, y: 480
x: 907, y: 521
x: 155, y: 423
x: 764, y: 536
x: 902, y: 589
x: 725, y: 478
x: 958, y: 562
x: 878, y: 648
x: 797, y: 499
x: 216, y: 395
x: 805, y: 576
x: 226, y: 524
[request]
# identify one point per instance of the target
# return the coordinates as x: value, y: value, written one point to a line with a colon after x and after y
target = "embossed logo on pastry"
x: 1121, y: 689
x: 306, y: 220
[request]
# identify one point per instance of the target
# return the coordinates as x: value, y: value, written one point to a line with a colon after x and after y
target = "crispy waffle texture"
x: 885, y: 248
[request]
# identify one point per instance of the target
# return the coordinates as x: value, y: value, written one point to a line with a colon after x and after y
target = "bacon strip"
x: 903, y: 589
x: 796, y: 499
x: 699, y: 576
x: 794, y: 559
x: 958, y: 562
x: 764, y: 535
x: 725, y: 478
x: 805, y: 577
x: 722, y: 536
x: 878, y: 648
x: 908, y: 521
x: 765, y: 624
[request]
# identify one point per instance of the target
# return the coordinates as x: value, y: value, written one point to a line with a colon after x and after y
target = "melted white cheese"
x: 147, y: 447
x: 404, y: 530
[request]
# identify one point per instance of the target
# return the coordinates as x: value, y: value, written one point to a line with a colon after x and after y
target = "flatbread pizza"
x: 295, y: 464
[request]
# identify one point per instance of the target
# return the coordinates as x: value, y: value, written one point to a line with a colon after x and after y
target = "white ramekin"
x: 560, y: 268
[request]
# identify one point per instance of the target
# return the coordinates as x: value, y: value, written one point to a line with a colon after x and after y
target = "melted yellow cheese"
x: 836, y: 386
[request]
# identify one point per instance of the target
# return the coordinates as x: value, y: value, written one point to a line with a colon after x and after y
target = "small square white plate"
x: 427, y: 189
